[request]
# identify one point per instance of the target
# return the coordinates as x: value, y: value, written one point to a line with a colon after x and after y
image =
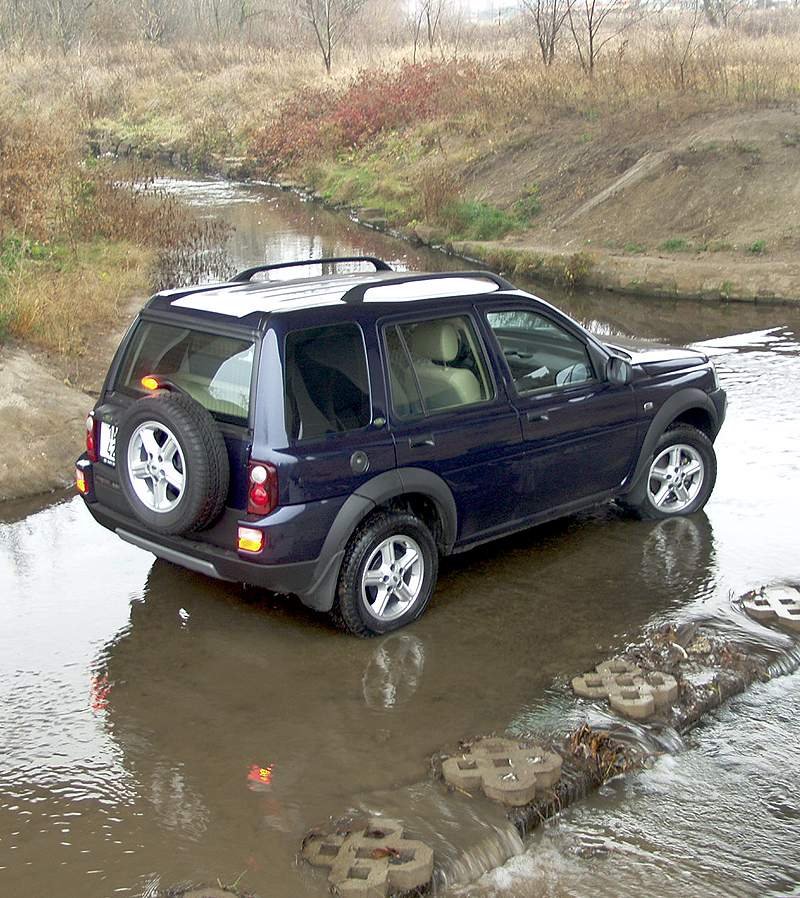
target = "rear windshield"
x: 215, y: 371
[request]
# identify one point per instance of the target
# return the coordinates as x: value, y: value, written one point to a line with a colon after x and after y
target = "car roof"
x: 251, y: 302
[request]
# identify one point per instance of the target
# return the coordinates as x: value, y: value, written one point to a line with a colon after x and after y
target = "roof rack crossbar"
x: 356, y: 294
x: 247, y: 274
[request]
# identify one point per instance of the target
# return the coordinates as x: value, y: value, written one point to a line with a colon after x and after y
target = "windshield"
x: 214, y: 370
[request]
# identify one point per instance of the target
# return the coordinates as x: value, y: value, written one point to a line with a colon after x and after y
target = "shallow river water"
x: 135, y: 696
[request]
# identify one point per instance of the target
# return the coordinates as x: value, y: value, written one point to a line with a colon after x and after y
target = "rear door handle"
x: 425, y: 439
x: 533, y: 417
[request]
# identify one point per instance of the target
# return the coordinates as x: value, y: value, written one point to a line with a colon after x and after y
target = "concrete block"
x: 629, y: 691
x: 371, y: 862
x: 775, y: 605
x: 616, y: 666
x: 664, y: 688
x: 632, y: 697
x: 590, y: 685
x: 506, y: 770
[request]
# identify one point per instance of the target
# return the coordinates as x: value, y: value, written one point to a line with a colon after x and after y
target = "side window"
x: 326, y: 385
x: 539, y: 353
x: 435, y: 365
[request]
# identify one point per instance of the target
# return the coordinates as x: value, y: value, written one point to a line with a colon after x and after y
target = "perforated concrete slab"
x: 505, y: 770
x: 373, y: 861
x: 628, y: 689
x: 776, y: 605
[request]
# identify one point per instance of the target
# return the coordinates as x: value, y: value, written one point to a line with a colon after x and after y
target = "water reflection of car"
x: 333, y: 436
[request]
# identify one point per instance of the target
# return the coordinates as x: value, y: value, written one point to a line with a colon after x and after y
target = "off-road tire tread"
x: 204, y: 450
x: 345, y: 613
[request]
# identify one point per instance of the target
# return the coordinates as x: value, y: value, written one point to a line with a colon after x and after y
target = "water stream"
x: 135, y: 696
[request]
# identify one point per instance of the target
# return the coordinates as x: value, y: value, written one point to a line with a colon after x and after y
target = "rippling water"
x: 135, y: 697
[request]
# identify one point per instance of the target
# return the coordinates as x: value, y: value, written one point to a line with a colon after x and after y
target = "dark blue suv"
x: 332, y: 436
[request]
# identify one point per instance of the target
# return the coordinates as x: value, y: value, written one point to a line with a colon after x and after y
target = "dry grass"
x: 60, y: 303
x: 77, y: 236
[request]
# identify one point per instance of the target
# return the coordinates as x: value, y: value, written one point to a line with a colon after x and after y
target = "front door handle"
x: 425, y: 439
x: 533, y: 417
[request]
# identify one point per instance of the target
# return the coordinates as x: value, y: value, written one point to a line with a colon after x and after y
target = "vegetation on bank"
x: 78, y: 237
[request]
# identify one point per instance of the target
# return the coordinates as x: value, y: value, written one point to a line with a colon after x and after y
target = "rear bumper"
x: 313, y: 581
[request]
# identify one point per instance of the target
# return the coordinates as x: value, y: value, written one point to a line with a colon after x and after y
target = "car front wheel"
x: 680, y: 477
x: 388, y: 574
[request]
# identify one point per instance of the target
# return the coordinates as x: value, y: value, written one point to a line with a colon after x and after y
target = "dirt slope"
x: 707, y: 207
x: 42, y: 423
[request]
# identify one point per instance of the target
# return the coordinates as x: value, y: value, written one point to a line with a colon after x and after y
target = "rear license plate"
x: 108, y: 443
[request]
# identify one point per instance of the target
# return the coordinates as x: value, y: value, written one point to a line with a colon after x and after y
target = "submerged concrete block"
x: 617, y: 666
x: 506, y: 770
x: 590, y: 685
x: 371, y: 862
x: 664, y: 687
x: 775, y: 605
x: 633, y: 699
x: 628, y: 690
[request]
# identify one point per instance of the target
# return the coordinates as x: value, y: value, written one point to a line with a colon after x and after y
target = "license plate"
x: 108, y: 443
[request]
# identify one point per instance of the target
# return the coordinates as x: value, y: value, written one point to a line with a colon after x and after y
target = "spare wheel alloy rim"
x: 156, y: 467
x: 392, y: 579
x: 676, y: 477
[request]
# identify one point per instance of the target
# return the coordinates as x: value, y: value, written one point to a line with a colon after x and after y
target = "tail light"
x: 91, y: 438
x: 250, y: 539
x: 262, y: 488
x: 84, y: 481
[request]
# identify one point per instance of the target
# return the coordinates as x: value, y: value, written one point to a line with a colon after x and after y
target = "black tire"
x: 641, y: 501
x: 350, y: 611
x: 206, y: 474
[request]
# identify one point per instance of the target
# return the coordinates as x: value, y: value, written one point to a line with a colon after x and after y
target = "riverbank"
x: 709, y: 209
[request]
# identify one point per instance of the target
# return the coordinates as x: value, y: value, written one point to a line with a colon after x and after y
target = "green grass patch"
x: 635, y: 249
x: 472, y: 220
x: 676, y: 245
x: 528, y: 206
x: 367, y: 184
x: 757, y: 247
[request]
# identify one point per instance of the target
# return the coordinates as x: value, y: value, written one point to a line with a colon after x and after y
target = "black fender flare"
x: 368, y: 496
x: 677, y: 404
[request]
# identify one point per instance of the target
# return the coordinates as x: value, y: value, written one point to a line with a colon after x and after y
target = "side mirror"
x: 618, y: 371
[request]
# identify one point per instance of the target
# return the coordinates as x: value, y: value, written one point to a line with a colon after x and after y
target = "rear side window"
x: 326, y: 383
x: 214, y: 370
x: 434, y: 366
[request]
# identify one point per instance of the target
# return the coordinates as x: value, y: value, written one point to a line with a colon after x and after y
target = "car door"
x: 333, y: 415
x: 449, y: 416
x: 579, y: 430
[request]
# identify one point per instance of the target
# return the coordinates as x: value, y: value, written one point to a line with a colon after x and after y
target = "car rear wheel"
x: 388, y: 574
x: 680, y: 475
x: 172, y: 463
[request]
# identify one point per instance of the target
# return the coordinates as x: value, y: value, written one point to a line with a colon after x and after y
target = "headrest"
x: 435, y: 340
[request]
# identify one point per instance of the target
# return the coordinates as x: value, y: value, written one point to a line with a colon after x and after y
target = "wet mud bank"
x: 660, y: 689
x: 42, y: 422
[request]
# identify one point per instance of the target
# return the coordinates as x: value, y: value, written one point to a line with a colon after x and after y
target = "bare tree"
x: 329, y: 19
x: 17, y: 22
x: 680, y: 39
x: 721, y: 13
x: 155, y: 18
x: 65, y: 20
x: 548, y: 17
x: 594, y: 23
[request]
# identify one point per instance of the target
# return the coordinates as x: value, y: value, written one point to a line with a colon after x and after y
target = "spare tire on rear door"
x: 172, y: 463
